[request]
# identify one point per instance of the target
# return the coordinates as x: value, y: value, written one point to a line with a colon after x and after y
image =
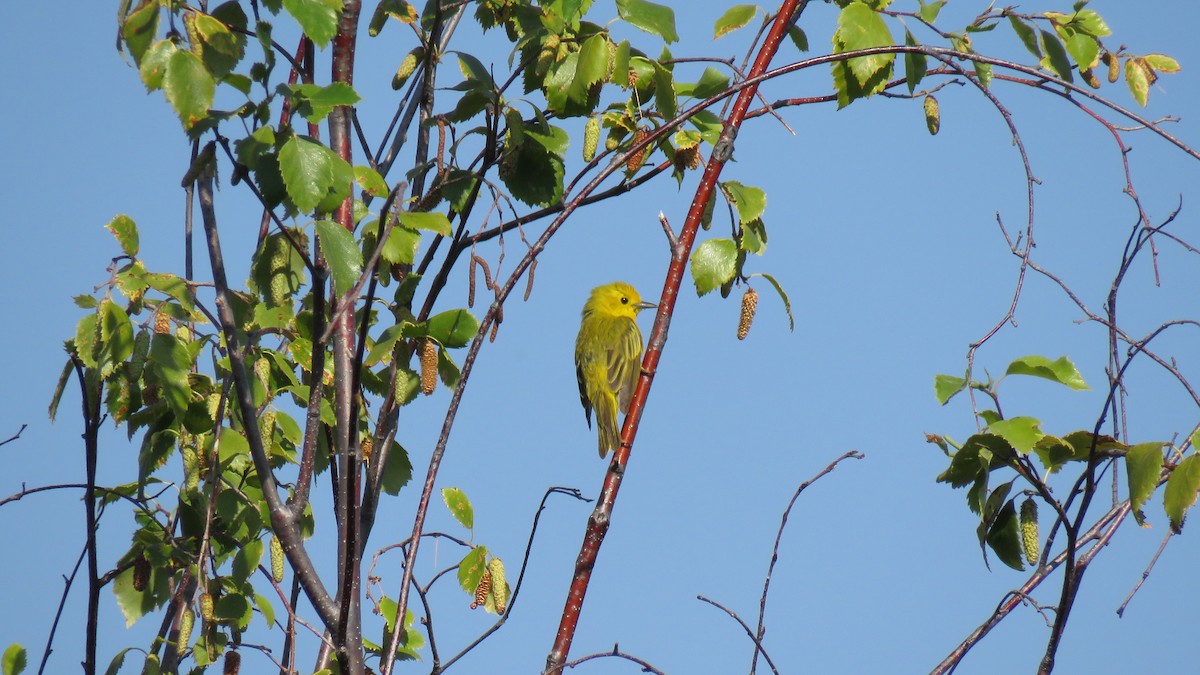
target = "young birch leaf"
x: 189, y: 87
x: 398, y: 470
x: 1056, y: 56
x: 1144, y: 465
x: 1138, y: 79
x: 665, y: 99
x: 453, y: 328
x: 1084, y: 49
x: 650, y: 17
x: 1060, y: 370
x: 714, y: 263
x: 734, y: 18
x: 370, y: 181
x: 590, y: 69
x: 14, y: 660
x: 914, y: 64
x: 318, y: 18
x: 946, y: 386
x: 343, y: 254
x: 1022, y: 433
x: 307, y: 170
x: 750, y: 202
x: 126, y: 232
x: 470, y: 570
x: 1004, y: 537
x: 168, y: 365
x: 1027, y: 35
x: 1162, y: 63
x: 139, y: 30
x: 154, y: 62
x: 432, y: 221
x: 787, y: 303
x: 929, y: 12
x: 460, y: 507
x: 1180, y: 494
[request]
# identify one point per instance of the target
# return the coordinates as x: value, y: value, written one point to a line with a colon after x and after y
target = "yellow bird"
x: 608, y: 356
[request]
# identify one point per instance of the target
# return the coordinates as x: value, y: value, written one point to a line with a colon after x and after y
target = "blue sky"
x: 886, y: 240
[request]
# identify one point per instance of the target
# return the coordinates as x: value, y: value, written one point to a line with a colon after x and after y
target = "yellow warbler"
x: 608, y: 355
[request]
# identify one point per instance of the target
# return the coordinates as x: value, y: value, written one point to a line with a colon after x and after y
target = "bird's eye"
x: 624, y: 300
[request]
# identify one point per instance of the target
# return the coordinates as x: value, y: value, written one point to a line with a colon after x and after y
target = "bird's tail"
x: 606, y: 424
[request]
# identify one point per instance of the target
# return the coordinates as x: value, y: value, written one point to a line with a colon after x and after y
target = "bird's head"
x: 616, y: 299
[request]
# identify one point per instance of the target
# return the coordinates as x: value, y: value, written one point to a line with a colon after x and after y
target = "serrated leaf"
x: 315, y: 102
x: 1180, y: 494
x: 1138, y: 79
x: 1055, y: 58
x: 125, y: 230
x: 750, y: 201
x: 650, y: 17
x: 453, y: 328
x: 432, y: 221
x: 1053, y: 452
x: 798, y: 38
x: 342, y: 254
x: 1162, y: 63
x: 168, y: 365
x: 1060, y: 370
x: 154, y: 63
x: 929, y: 12
x: 590, y: 69
x: 1022, y: 433
x: 397, y: 472
x: 734, y: 18
x: 1091, y: 22
x: 665, y: 99
x: 1027, y: 35
x: 318, y: 18
x: 222, y: 48
x: 1004, y: 537
x: 139, y: 30
x: 714, y: 263
x: 307, y: 170
x: 1084, y: 49
x: 459, y: 506
x: 188, y: 87
x: 1144, y: 466
x: 860, y: 27
x: 470, y: 570
x: 946, y: 386
x: 370, y: 181
x: 711, y: 82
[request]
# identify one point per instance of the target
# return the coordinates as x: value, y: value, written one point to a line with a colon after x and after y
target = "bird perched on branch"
x: 608, y: 356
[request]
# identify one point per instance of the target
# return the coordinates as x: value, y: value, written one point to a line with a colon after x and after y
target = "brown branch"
x: 755, y: 636
x: 601, y: 517
x: 762, y: 603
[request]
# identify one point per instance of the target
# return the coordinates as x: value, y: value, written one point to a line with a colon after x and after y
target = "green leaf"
x: 168, y: 366
x: 981, y: 453
x: 315, y: 102
x: 342, y: 253
x: 114, y: 666
x: 750, y: 201
x: 460, y: 507
x: 233, y: 609
x: 245, y: 561
x: 929, y: 12
x: 222, y: 49
x: 1022, y: 433
x: 432, y: 221
x: 1027, y: 35
x: 754, y: 237
x: 1091, y: 22
x: 860, y: 27
x: 470, y: 570
x: 318, y: 18
x: 1138, y: 79
x: 734, y: 18
x: 401, y: 246
x: 448, y: 371
x: 61, y: 385
x: 1060, y: 370
x: 946, y: 386
x: 665, y: 99
x: 798, y: 38
x: 135, y: 604
x: 1162, y: 63
x: 139, y: 30
x: 711, y: 82
x: 154, y: 63
x: 650, y: 17
x: 1084, y: 49
x: 590, y: 69
x: 313, y: 174
x: 370, y: 181
x: 1144, y: 465
x: 14, y: 660
x: 1056, y: 56
x: 915, y: 65
x: 1054, y: 452
x: 787, y: 303
x: 125, y: 230
x: 189, y: 87
x: 397, y: 472
x: 453, y: 328
x: 116, y: 335
x: 397, y: 9
x: 1180, y: 494
x: 1004, y: 537
x: 714, y: 263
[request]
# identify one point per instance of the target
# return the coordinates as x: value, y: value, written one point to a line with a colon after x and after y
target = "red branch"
x: 600, y: 519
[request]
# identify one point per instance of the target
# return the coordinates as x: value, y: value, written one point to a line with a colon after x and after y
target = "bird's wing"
x: 583, y: 394
x: 623, y: 364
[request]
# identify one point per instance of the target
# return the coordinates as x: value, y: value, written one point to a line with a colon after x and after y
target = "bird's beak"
x: 646, y: 305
